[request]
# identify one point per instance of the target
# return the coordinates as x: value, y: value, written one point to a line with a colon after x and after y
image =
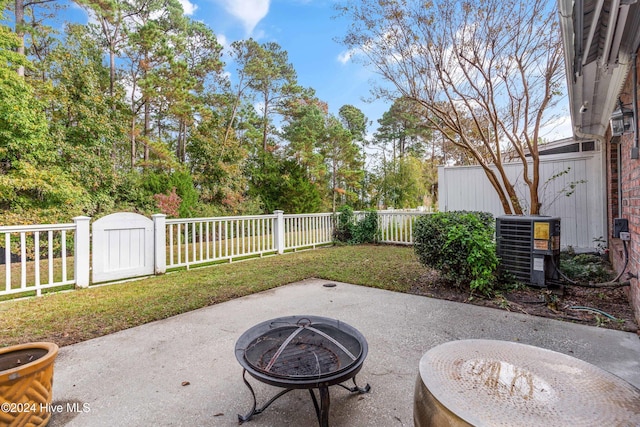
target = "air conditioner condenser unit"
x: 529, y: 247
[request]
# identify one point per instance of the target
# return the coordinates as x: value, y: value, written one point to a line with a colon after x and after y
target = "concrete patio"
x: 182, y: 371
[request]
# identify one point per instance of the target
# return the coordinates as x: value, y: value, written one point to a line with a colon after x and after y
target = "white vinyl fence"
x: 582, y: 213
x: 204, y: 240
x: 125, y: 245
x: 38, y: 257
x: 396, y: 227
x: 307, y: 230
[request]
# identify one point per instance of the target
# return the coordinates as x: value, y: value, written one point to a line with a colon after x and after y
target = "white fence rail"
x: 396, y: 227
x: 307, y: 230
x: 205, y: 240
x: 45, y: 256
x: 38, y: 257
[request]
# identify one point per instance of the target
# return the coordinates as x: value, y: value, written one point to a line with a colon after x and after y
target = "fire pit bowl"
x: 302, y: 352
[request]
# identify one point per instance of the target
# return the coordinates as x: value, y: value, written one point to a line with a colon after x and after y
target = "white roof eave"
x: 593, y: 93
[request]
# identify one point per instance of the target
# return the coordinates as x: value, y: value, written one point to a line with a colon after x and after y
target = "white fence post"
x: 81, y: 247
x: 160, y: 243
x: 279, y: 231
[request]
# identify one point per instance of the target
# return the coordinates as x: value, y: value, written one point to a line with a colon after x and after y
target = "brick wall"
x: 628, y: 175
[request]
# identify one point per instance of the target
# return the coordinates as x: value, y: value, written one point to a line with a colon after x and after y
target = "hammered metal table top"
x: 500, y: 383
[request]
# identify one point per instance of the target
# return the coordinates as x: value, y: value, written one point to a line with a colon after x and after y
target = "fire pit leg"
x: 356, y: 388
x: 322, y: 411
x: 254, y: 411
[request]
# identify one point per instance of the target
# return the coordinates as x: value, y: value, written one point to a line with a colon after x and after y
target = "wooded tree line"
x: 136, y: 111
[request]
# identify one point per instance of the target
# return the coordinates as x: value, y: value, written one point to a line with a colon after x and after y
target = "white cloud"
x: 223, y: 41
x: 188, y: 7
x: 559, y: 128
x: 249, y: 12
x: 346, y: 56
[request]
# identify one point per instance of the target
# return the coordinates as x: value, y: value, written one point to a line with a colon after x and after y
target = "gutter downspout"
x: 634, y: 67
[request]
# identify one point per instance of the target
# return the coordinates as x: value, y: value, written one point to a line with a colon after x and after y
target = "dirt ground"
x: 602, y: 307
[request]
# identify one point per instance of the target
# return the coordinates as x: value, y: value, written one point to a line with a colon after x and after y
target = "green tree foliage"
x: 352, y: 230
x: 401, y: 183
x: 32, y: 184
x: 356, y: 122
x: 283, y: 184
x: 326, y: 148
x: 406, y: 169
x: 22, y: 122
x: 404, y: 128
x: 198, y: 63
x: 112, y: 19
x: 342, y: 156
x: 305, y: 129
x: 133, y: 111
x: 268, y: 75
x: 85, y: 121
x: 217, y: 166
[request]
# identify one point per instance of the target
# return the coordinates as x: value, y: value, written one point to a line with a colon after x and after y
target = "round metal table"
x: 499, y: 383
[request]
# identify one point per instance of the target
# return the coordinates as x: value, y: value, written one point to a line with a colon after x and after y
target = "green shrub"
x: 366, y: 230
x: 460, y: 245
x: 585, y: 267
x: 344, y: 224
x: 352, y: 231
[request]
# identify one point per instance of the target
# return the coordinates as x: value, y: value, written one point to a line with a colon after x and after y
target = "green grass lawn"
x: 70, y: 317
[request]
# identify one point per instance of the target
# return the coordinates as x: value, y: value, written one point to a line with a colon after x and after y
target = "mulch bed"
x: 582, y: 305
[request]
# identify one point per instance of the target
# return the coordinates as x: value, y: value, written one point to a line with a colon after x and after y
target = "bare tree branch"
x: 486, y: 73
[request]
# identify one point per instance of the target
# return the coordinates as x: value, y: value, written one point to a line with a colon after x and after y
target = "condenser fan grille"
x: 514, y: 247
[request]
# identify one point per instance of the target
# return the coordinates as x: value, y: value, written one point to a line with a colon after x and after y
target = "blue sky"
x: 307, y: 30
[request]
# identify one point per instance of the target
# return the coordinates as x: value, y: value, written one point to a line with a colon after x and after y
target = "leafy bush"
x: 585, y: 267
x: 366, y: 230
x: 351, y: 231
x: 344, y: 224
x: 460, y: 245
x: 169, y: 204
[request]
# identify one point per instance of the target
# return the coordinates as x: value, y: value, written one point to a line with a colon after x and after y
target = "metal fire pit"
x: 302, y: 352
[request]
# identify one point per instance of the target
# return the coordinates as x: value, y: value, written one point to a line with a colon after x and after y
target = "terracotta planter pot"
x: 26, y: 381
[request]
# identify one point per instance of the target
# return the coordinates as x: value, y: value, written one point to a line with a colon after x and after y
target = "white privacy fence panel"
x: 203, y: 240
x: 582, y: 213
x: 123, y: 247
x: 36, y: 257
x: 307, y: 230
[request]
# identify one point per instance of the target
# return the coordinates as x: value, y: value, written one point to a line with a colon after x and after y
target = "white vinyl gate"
x: 122, y: 247
x: 582, y: 214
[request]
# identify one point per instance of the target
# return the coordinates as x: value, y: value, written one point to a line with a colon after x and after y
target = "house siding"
x: 625, y: 179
